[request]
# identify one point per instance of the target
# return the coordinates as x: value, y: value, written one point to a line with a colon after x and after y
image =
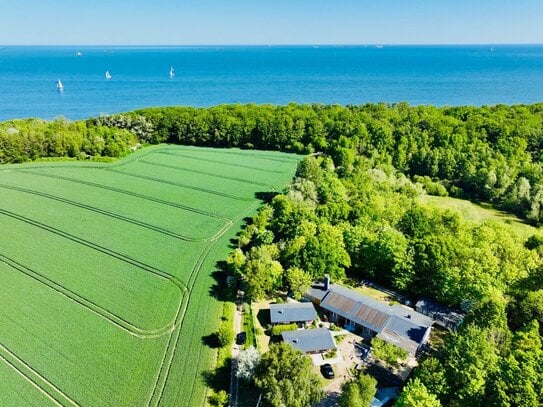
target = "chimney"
x: 326, y: 282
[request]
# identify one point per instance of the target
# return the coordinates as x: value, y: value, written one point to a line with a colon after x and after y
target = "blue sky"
x: 178, y: 22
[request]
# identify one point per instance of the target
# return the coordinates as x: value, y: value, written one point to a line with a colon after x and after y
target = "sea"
x: 212, y: 75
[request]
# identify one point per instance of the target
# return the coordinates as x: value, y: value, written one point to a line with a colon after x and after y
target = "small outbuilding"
x: 440, y: 314
x: 301, y: 313
x: 317, y: 340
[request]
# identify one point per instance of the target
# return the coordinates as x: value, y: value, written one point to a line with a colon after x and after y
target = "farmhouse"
x: 396, y: 324
x: 442, y: 316
x: 317, y: 340
x: 301, y: 313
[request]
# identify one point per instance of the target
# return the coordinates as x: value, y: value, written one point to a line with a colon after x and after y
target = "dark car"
x: 241, y: 338
x: 328, y: 371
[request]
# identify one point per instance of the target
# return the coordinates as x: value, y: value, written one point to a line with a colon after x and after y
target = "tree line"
x: 32, y: 139
x: 489, y: 153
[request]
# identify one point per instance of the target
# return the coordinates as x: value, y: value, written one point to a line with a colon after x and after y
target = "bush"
x: 278, y: 329
x: 387, y: 352
x: 138, y: 125
x: 334, y: 327
x: 431, y: 187
x: 219, y: 399
x: 247, y: 362
x: 225, y: 336
x: 340, y: 338
x: 248, y: 326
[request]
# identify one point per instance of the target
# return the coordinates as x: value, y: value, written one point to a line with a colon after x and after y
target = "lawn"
x: 481, y: 213
x: 107, y: 288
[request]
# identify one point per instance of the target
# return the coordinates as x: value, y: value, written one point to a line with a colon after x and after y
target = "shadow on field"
x: 219, y: 379
x: 265, y: 197
x: 211, y: 341
x: 221, y: 289
x: 225, y: 289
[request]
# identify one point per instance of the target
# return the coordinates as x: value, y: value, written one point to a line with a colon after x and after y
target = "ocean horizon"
x: 206, y: 75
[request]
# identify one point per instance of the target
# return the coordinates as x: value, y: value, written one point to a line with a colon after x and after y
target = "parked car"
x: 328, y: 371
x: 241, y: 338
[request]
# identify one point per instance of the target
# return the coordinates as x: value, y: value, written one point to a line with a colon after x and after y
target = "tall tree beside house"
x: 415, y: 394
x: 248, y: 360
x: 261, y: 273
x: 359, y: 392
x: 470, y: 359
x: 285, y: 377
x: 299, y: 281
x: 324, y: 253
x: 519, y: 379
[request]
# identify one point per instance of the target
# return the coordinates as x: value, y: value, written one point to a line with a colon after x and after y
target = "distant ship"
x: 60, y: 86
x: 379, y: 46
x: 172, y: 73
x: 108, y: 76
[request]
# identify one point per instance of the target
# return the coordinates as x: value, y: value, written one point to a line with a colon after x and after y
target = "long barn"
x: 396, y: 324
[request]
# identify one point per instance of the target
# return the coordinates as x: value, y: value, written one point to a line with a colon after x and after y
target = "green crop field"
x: 106, y: 272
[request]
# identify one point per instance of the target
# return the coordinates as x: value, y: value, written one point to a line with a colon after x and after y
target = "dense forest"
x: 32, y: 139
x: 355, y: 209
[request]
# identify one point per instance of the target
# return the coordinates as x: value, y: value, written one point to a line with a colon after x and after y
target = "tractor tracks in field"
x: 165, y: 367
x: 237, y: 165
x: 128, y: 193
x: 181, y: 185
x: 112, y: 214
x: 92, y: 306
x: 175, y: 328
x: 260, y: 154
x: 209, y: 174
x: 43, y: 385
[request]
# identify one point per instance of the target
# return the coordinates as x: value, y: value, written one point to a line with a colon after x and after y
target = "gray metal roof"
x: 396, y: 323
x: 316, y: 291
x: 356, y: 308
x: 310, y: 340
x: 292, y: 312
x: 403, y: 333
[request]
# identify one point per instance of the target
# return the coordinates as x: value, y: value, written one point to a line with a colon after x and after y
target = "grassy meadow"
x: 481, y: 212
x: 106, y: 272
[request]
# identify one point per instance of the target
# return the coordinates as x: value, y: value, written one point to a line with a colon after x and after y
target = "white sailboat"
x: 60, y: 86
x: 172, y: 73
x: 78, y: 54
x: 108, y: 76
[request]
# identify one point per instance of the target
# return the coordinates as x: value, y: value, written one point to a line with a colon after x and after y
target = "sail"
x: 108, y: 75
x: 60, y: 86
x: 172, y: 73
